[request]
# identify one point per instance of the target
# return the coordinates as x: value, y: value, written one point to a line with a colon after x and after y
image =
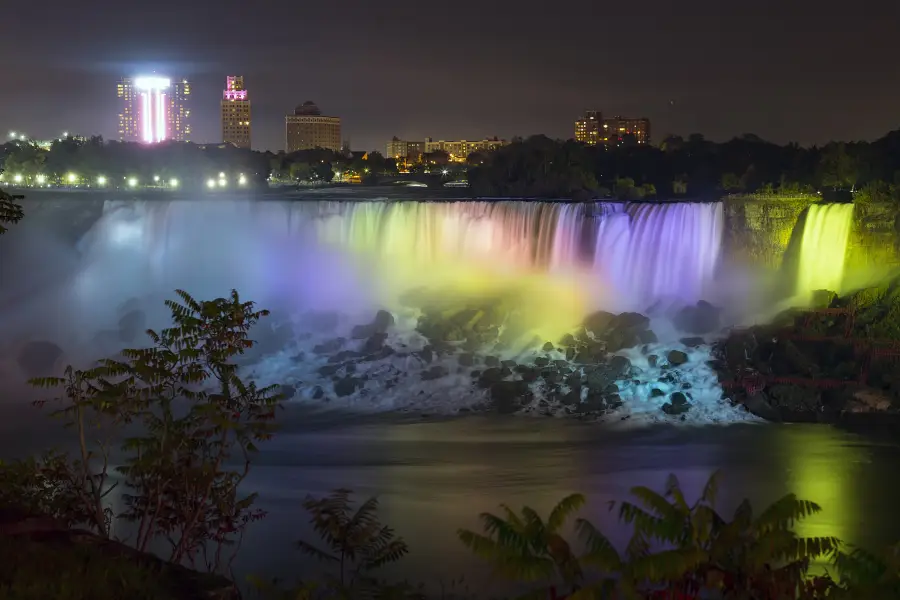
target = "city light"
x: 65, y: 135
x: 132, y: 182
x: 222, y: 183
x: 444, y: 171
x: 242, y: 180
x: 12, y: 135
x: 40, y: 179
x: 153, y: 107
x: 17, y: 178
x: 71, y: 178
x: 101, y: 180
x: 211, y: 183
x: 173, y: 183
x: 221, y: 175
x: 156, y: 178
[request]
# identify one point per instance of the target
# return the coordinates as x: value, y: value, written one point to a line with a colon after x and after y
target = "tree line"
x: 689, y: 167
x: 678, y: 167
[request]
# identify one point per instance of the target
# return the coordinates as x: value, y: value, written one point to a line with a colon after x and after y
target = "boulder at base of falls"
x: 677, y: 405
x: 815, y: 366
x: 39, y: 359
x: 699, y: 319
x: 618, y: 332
x: 380, y: 324
x: 510, y: 396
x: 132, y: 324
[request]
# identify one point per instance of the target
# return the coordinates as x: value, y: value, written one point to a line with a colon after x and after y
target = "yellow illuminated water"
x: 823, y: 248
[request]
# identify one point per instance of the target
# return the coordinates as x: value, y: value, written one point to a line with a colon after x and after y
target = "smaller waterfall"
x: 823, y: 248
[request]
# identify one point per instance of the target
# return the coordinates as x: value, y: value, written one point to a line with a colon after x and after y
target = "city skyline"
x: 786, y: 73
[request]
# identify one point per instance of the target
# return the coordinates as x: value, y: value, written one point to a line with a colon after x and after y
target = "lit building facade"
x: 459, y: 150
x: 589, y: 129
x: 236, y: 113
x: 308, y: 128
x: 404, y: 150
x: 153, y: 109
x: 593, y: 129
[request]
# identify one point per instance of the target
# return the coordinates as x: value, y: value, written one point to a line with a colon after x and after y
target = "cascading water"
x: 621, y: 256
x: 823, y: 248
x: 525, y: 274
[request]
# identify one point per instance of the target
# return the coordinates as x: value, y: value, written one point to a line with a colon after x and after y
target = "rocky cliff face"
x: 838, y: 358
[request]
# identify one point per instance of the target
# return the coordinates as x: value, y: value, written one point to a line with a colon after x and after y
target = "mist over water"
x: 555, y: 261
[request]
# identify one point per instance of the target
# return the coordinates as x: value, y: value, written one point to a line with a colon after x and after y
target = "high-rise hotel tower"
x: 236, y: 113
x: 154, y: 109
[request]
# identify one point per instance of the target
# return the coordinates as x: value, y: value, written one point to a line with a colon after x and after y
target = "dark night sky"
x: 788, y: 70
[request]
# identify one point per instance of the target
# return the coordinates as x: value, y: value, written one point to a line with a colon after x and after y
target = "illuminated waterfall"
x: 609, y: 254
x: 823, y: 248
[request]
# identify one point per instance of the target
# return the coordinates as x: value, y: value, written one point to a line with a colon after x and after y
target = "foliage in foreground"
x: 10, y: 210
x: 192, y: 418
x: 677, y: 550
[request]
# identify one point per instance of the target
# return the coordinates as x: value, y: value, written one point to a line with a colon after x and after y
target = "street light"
x: 156, y: 178
x: 17, y: 178
x: 132, y: 182
x: 173, y: 182
x: 101, y: 180
x: 211, y: 183
x: 12, y: 134
x: 41, y: 179
x: 242, y: 180
x: 222, y: 183
x: 71, y: 178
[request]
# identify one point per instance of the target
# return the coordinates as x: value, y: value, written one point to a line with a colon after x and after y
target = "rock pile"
x: 819, y: 365
x: 579, y: 374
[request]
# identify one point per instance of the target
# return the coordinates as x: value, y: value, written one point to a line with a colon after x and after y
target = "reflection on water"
x: 434, y: 477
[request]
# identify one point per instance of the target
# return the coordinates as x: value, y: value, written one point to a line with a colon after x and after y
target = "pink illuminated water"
x: 637, y: 254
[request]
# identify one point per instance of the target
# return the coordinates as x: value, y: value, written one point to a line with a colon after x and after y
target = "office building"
x: 626, y: 130
x: 593, y: 129
x: 236, y: 113
x: 404, y: 150
x: 459, y: 150
x: 153, y: 109
x: 308, y: 128
x: 589, y: 129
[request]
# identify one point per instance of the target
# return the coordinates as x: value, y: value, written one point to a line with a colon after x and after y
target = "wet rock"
x: 489, y: 377
x: 510, y: 364
x: 427, y: 354
x: 491, y: 361
x: 548, y: 347
x: 132, y: 324
x: 466, y: 359
x: 647, y: 337
x: 380, y: 324
x: 656, y: 393
x: 346, y: 386
x: 374, y: 343
x: 699, y: 319
x: 435, y: 372
x: 692, y: 342
x: 287, y: 392
x: 541, y: 361
x: 318, y: 393
x: 345, y: 355
x: 509, y: 396
x: 795, y: 402
x: 677, y: 405
x: 652, y: 361
x: 757, y: 404
x: 677, y: 357
x: 597, y: 323
x: 567, y: 340
x: 620, y: 367
x: 39, y: 359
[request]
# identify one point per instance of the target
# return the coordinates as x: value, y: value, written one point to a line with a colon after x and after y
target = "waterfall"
x: 823, y: 248
x: 617, y: 255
